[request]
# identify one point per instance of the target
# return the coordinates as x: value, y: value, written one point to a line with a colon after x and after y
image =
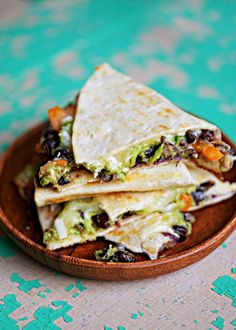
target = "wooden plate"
x: 19, y: 221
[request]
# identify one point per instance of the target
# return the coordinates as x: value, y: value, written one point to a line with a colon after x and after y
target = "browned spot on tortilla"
x: 122, y: 101
x: 163, y: 126
x: 184, y: 125
x: 168, y: 110
x: 141, y: 93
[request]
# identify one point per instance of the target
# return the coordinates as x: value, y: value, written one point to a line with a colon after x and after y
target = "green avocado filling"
x: 77, y: 217
x: 51, y: 174
x: 74, y: 219
x: 147, y: 152
x: 176, y: 218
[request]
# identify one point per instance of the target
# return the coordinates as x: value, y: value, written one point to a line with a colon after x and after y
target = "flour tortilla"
x: 149, y: 234
x: 144, y: 178
x: 115, y: 113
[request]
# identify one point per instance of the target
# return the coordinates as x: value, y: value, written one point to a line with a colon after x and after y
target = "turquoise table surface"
x: 186, y: 50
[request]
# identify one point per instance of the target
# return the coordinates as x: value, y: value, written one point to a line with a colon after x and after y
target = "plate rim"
x: 213, y: 242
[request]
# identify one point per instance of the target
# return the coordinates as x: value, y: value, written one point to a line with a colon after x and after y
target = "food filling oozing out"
x: 56, y: 146
x: 201, y: 144
x: 149, y: 235
x: 85, y: 217
x: 114, y: 253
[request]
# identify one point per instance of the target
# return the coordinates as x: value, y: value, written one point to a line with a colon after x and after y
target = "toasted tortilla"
x: 149, y: 234
x: 115, y: 113
x: 144, y: 178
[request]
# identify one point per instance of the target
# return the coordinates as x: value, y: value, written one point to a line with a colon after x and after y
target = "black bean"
x: 198, y: 196
x: 104, y: 176
x: 181, y: 231
x: 125, y: 256
x: 101, y: 220
x: 116, y: 253
x: 205, y: 185
x: 65, y: 154
x: 127, y: 214
x: 191, y: 136
x: 138, y: 161
x: 150, y: 151
x: 51, y: 140
x: 62, y: 181
x: 182, y: 143
x: 207, y: 135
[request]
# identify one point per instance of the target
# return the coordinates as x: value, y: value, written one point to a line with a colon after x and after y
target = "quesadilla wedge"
x: 85, y: 219
x: 116, y: 124
x: 119, y: 123
x: 151, y: 234
x: 144, y: 178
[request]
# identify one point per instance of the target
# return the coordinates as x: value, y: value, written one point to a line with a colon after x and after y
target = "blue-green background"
x: 184, y: 49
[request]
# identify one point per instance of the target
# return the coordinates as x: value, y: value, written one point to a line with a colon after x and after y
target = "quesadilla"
x: 86, y: 219
x: 152, y: 234
x: 117, y: 124
x: 148, y: 178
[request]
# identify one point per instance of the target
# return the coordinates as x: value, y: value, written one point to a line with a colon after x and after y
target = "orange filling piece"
x: 187, y: 201
x: 208, y: 151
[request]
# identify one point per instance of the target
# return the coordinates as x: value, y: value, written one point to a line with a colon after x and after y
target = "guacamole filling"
x: 179, y: 223
x: 176, y: 226
x: 193, y: 145
x: 85, y: 218
x: 54, y: 173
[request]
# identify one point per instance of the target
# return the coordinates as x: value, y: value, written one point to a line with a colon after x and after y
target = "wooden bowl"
x: 19, y: 221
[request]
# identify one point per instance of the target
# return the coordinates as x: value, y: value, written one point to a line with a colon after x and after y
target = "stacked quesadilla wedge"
x: 123, y: 162
x: 85, y: 219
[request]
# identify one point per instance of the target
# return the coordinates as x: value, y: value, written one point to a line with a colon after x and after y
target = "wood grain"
x: 19, y: 221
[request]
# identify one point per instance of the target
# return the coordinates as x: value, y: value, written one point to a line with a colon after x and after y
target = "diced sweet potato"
x: 208, y: 151
x: 212, y: 153
x: 187, y: 201
x: 55, y: 116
